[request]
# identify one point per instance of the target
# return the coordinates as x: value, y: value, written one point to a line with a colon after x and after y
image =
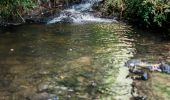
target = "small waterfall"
x: 78, y: 13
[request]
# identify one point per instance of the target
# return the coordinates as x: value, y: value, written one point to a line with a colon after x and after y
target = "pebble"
x: 42, y: 87
x: 40, y: 96
x: 86, y: 60
x: 11, y: 49
x: 85, y: 96
x: 71, y: 49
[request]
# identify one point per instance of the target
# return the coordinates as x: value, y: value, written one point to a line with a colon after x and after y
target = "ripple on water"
x: 77, y: 61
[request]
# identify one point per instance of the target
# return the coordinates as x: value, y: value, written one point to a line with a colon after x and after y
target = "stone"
x: 40, y: 96
x: 11, y: 49
x: 83, y: 96
x: 43, y: 86
x: 84, y: 60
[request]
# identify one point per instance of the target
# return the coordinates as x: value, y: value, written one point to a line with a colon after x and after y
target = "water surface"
x: 72, y: 61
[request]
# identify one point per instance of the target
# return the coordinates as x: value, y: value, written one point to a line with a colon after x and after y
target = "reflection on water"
x: 66, y: 61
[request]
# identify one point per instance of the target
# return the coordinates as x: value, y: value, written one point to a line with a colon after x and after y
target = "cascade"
x: 79, y: 13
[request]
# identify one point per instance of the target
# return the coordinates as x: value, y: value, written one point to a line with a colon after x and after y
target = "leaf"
x: 167, y: 10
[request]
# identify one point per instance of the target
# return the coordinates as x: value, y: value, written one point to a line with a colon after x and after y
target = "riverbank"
x: 39, y: 16
x: 30, y: 11
x: 144, y: 14
x: 113, y: 9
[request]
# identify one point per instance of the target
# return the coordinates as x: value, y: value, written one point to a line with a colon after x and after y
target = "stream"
x: 65, y: 60
x: 73, y: 61
x: 80, y: 59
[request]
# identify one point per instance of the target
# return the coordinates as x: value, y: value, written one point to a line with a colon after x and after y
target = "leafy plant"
x: 14, y: 8
x: 150, y: 11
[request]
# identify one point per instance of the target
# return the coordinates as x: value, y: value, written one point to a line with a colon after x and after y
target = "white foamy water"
x: 79, y: 14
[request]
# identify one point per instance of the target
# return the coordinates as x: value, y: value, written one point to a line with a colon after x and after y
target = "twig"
x: 21, y: 17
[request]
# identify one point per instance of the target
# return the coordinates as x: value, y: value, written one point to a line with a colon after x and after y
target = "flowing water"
x: 73, y: 61
x: 79, y: 14
x: 65, y: 60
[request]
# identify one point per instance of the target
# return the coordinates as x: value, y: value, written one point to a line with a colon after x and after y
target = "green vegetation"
x: 150, y: 12
x: 14, y: 8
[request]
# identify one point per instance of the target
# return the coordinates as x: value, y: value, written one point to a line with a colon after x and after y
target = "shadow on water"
x: 71, y: 61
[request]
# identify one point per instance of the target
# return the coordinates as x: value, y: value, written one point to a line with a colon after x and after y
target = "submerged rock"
x: 133, y: 62
x: 40, y: 96
x: 84, y: 60
x: 83, y: 96
x: 42, y: 87
x: 66, y: 20
x: 9, y: 24
x: 165, y: 68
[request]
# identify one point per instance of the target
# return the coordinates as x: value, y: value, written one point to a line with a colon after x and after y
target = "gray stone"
x: 43, y: 86
x: 40, y: 96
